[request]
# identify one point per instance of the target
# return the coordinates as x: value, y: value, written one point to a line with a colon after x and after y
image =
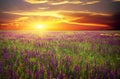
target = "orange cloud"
x: 65, y: 2
x: 54, y: 2
x: 36, y: 13
x: 21, y: 18
x: 88, y: 24
x: 116, y: 0
x: 91, y: 2
x: 36, y: 1
x: 52, y: 18
x: 43, y: 8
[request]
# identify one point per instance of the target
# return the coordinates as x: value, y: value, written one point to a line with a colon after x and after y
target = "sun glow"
x: 39, y: 26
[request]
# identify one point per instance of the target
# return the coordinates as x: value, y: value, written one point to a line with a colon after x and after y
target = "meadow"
x: 60, y: 55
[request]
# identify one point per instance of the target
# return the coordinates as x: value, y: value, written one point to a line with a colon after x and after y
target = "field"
x: 60, y: 55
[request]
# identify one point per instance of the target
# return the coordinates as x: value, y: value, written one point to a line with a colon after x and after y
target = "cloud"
x: 75, y: 17
x: 36, y: 1
x: 65, y: 2
x: 35, y: 13
x: 101, y: 20
x: 88, y: 24
x: 87, y: 18
x: 116, y: 21
x: 43, y: 8
x: 60, y: 2
x: 79, y: 26
x: 7, y: 17
x: 53, y: 2
x: 90, y: 2
x: 116, y: 0
x: 29, y: 19
x: 78, y: 13
x: 21, y: 19
x: 83, y: 19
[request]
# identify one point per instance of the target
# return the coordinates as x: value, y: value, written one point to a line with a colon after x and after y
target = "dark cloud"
x: 89, y: 17
x: 19, y: 5
x: 65, y: 26
x: 5, y: 17
x: 106, y: 6
x: 95, y: 19
x: 116, y: 21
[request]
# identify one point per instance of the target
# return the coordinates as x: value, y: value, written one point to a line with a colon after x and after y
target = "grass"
x: 62, y: 55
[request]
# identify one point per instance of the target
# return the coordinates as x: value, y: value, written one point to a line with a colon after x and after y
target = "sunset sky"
x: 59, y: 14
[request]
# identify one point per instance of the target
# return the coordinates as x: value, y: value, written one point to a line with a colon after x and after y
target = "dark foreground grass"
x: 60, y: 55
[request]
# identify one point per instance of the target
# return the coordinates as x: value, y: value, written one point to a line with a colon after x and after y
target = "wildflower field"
x: 60, y: 55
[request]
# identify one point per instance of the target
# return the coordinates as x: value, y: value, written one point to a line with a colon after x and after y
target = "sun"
x: 39, y: 26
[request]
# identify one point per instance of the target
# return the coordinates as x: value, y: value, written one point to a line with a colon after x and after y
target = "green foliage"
x: 81, y: 51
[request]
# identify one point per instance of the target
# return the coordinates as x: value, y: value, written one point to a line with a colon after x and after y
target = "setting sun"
x: 39, y: 26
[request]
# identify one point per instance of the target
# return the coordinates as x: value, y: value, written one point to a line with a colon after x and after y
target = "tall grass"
x: 60, y: 55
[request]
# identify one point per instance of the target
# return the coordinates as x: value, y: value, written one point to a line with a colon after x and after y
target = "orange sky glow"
x: 56, y: 15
